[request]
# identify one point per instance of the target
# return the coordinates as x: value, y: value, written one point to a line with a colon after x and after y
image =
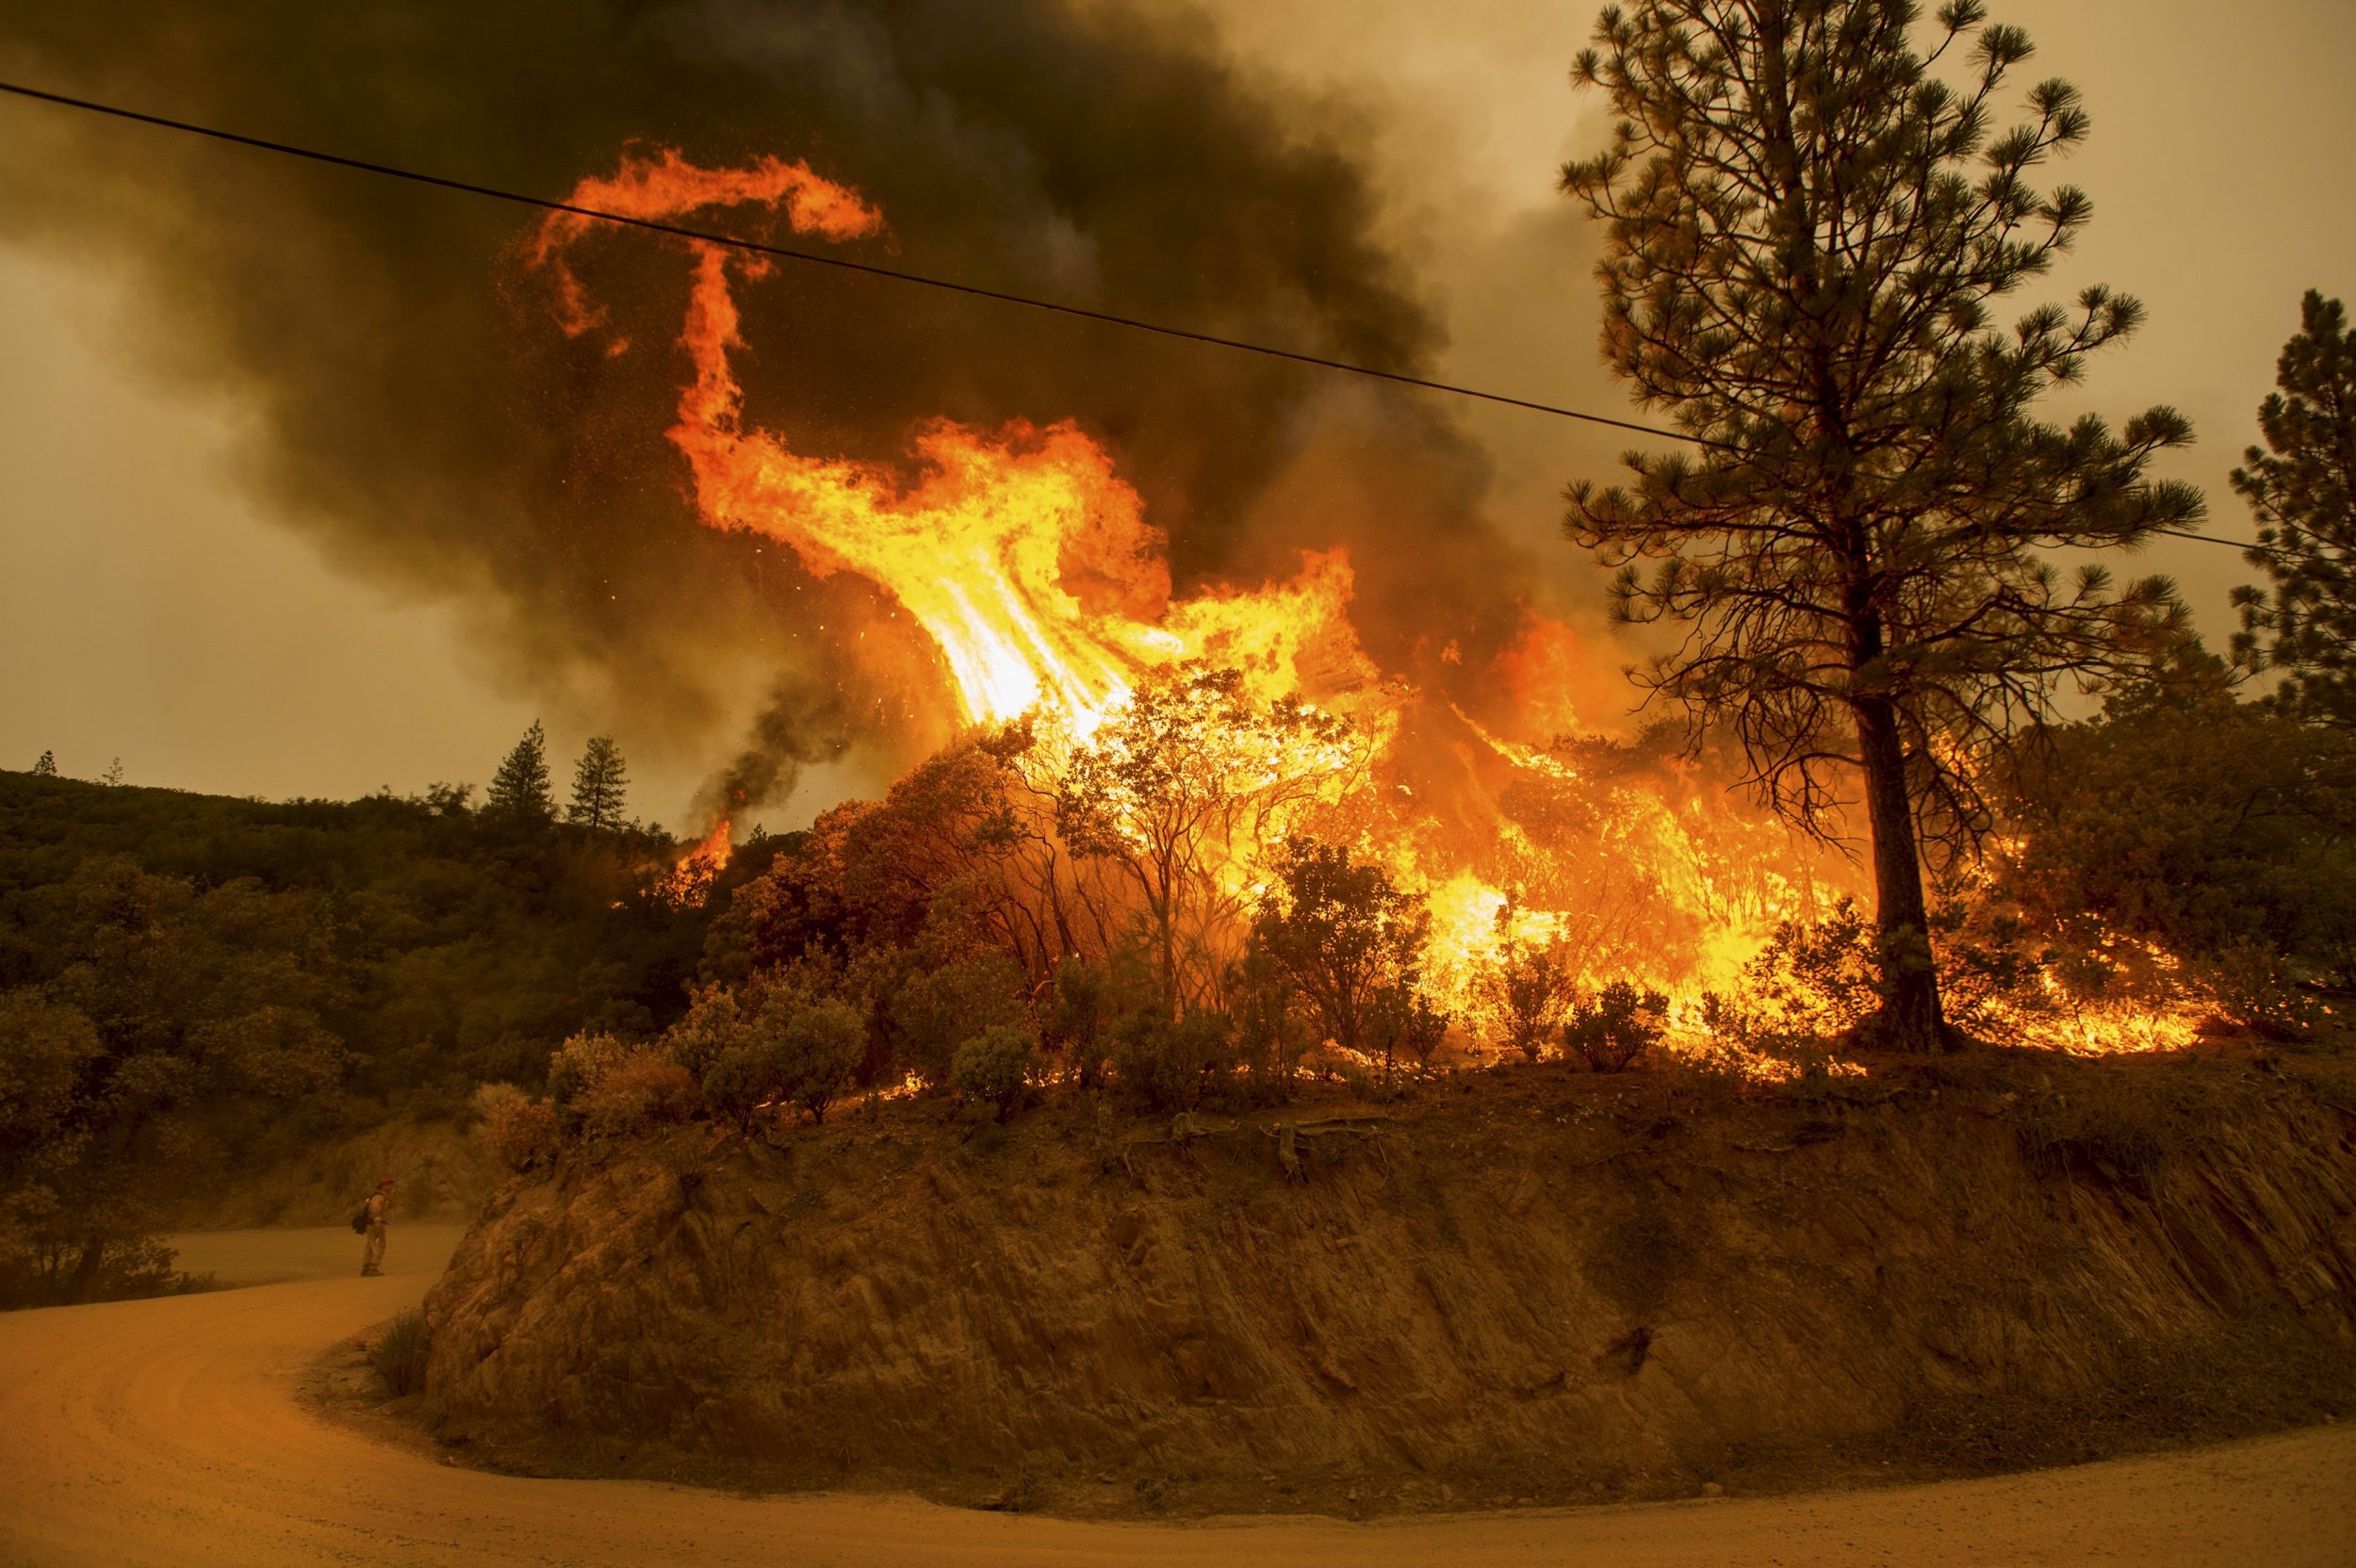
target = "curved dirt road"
x: 167, y: 1432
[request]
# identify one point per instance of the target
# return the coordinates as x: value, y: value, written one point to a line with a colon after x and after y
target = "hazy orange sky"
x: 150, y: 610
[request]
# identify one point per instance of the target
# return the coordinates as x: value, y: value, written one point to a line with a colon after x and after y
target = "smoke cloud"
x: 420, y: 415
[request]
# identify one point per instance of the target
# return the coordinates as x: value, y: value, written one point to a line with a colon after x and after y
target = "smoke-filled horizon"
x: 365, y: 367
x: 418, y: 413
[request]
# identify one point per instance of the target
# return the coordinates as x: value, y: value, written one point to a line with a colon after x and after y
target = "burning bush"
x: 1620, y: 1025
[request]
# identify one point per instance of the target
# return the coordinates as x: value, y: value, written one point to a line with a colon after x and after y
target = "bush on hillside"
x: 520, y: 1132
x: 1614, y: 1029
x: 995, y: 1065
x: 644, y: 1090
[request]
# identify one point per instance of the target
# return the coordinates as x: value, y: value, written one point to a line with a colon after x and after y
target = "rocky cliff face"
x: 1538, y: 1285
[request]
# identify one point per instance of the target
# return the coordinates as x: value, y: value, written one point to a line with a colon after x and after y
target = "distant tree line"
x: 193, y: 986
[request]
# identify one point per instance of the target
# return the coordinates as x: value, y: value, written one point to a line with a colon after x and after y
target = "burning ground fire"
x: 1028, y: 562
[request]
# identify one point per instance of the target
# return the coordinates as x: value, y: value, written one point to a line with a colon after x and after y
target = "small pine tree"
x: 519, y: 791
x: 600, y: 780
x: 2303, y: 490
x: 113, y: 774
x: 47, y: 766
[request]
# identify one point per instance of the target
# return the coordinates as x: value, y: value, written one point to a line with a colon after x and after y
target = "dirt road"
x: 167, y: 1432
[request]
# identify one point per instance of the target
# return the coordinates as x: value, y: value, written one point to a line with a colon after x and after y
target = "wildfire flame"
x: 1029, y: 562
x: 691, y: 879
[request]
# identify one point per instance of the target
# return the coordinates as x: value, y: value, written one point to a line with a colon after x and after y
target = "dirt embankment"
x: 1528, y: 1286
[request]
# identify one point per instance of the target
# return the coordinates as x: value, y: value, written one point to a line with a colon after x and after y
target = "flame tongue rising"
x: 691, y: 879
x: 1023, y: 554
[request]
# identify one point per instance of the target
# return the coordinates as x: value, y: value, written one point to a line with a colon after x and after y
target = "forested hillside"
x: 193, y: 986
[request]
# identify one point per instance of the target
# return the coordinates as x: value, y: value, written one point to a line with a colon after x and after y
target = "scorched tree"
x: 1810, y: 221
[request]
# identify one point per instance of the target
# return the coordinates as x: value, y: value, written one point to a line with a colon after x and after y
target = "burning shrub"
x: 1621, y: 1024
x: 2258, y: 988
x: 2224, y: 831
x: 1187, y: 780
x: 520, y: 1132
x: 995, y: 1065
x: 643, y: 1091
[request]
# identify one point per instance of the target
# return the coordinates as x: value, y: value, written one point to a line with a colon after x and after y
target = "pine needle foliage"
x: 1810, y: 224
x: 600, y: 785
x: 2303, y: 486
x: 519, y: 792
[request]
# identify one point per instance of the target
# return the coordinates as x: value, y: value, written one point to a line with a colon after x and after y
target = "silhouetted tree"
x: 2303, y: 489
x: 1807, y: 232
x: 1352, y: 941
x: 519, y: 791
x: 600, y: 780
x: 1190, y: 777
x: 45, y: 766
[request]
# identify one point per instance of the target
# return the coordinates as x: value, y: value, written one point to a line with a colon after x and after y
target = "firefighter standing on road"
x: 380, y: 1200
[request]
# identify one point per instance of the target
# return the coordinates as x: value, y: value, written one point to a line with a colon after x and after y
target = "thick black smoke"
x: 422, y: 416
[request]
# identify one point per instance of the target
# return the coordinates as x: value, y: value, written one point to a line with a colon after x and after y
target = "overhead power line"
x: 846, y: 264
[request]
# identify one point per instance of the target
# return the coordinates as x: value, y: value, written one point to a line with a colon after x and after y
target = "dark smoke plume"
x: 424, y: 420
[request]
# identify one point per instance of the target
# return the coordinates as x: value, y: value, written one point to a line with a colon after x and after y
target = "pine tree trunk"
x: 1910, y: 1017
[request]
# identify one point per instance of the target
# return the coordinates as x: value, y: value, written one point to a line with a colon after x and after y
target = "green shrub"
x: 578, y: 1063
x: 996, y: 1065
x: 1271, y: 1019
x: 1169, y: 1064
x: 400, y: 1357
x: 822, y: 1042
x: 793, y: 1049
x: 937, y: 1010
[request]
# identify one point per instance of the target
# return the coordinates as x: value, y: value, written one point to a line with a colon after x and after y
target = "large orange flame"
x: 1022, y: 553
x: 1029, y: 562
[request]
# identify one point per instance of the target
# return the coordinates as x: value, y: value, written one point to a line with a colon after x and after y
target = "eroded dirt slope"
x: 140, y: 1435
x: 1547, y: 1287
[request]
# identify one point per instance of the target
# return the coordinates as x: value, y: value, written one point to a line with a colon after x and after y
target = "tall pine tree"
x: 519, y: 791
x: 2303, y: 489
x: 1807, y: 230
x: 600, y: 780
